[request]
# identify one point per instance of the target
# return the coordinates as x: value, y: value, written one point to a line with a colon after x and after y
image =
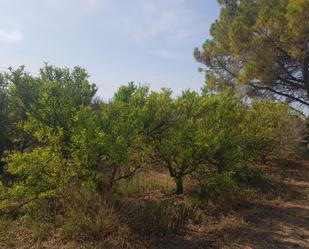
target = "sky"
x: 116, y: 41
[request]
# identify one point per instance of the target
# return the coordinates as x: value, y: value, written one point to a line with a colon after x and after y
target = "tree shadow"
x: 270, y: 227
x: 170, y: 242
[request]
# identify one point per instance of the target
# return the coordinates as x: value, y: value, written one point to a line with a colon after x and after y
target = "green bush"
x: 222, y: 187
x: 271, y: 130
x: 249, y: 177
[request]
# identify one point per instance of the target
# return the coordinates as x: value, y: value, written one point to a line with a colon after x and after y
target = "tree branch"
x: 279, y: 93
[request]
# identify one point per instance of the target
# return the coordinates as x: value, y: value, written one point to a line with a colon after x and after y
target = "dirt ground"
x: 277, y: 217
x: 269, y: 222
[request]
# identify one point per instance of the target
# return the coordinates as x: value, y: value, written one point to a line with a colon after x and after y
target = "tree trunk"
x: 179, y: 185
x: 112, y: 179
x: 305, y: 69
x: 5, y: 177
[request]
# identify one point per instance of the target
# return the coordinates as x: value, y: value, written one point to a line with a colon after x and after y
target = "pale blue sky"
x: 117, y: 41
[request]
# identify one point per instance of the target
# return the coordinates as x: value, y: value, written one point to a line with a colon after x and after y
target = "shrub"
x: 90, y: 225
x: 88, y: 217
x: 158, y: 217
x: 271, y: 129
x: 249, y: 177
x: 222, y: 187
x: 38, y: 175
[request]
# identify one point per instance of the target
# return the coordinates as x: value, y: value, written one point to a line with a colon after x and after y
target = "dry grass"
x: 148, y: 215
x: 15, y: 235
x: 231, y: 222
x: 146, y: 182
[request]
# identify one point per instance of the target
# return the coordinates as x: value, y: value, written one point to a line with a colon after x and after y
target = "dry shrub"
x: 228, y: 223
x: 157, y: 217
x: 148, y: 206
x: 227, y: 231
x: 289, y: 141
x: 88, y: 217
x: 14, y: 235
x: 146, y: 182
x: 248, y: 176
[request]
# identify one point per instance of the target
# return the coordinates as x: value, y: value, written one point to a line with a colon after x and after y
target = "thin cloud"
x: 172, y: 20
x: 83, y: 6
x: 13, y: 36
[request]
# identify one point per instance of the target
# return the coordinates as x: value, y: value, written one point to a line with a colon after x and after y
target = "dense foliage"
x: 52, y: 134
x: 260, y: 44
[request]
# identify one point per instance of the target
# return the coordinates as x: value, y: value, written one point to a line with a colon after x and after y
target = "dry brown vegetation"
x: 272, y: 215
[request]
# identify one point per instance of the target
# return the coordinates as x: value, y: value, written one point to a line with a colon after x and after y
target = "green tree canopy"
x: 122, y: 124
x: 171, y: 133
x: 4, y: 119
x: 260, y: 44
x: 48, y: 101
